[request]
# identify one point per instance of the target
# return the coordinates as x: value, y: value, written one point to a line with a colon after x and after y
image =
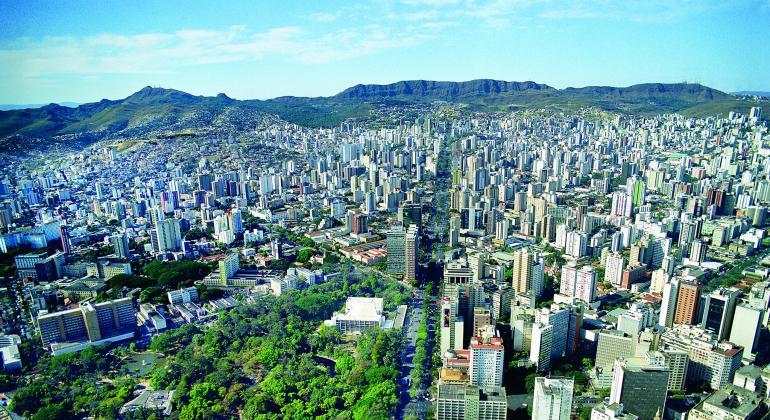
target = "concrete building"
x: 183, y: 295
x: 486, y: 362
x: 746, y: 328
x: 730, y: 402
x: 361, y: 313
x: 688, y: 299
x: 578, y: 283
x: 712, y: 361
x: 611, y: 411
x: 718, y: 311
x: 553, y: 398
x: 89, y: 324
x: 463, y: 402
x: 640, y: 384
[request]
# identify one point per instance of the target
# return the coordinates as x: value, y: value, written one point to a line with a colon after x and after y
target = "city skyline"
x: 68, y: 53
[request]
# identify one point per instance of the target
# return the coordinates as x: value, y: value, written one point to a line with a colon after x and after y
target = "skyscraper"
x: 687, y: 302
x: 396, y: 244
x: 411, y: 252
x: 169, y: 235
x: 486, y: 362
x: 553, y: 398
x: 641, y: 384
x: 120, y: 245
x: 718, y: 311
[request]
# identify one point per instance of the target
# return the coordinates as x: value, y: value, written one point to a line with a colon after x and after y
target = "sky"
x: 83, y: 51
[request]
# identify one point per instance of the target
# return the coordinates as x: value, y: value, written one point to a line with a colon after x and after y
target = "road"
x: 420, y: 406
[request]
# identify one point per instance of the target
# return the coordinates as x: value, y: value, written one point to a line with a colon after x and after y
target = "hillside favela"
x: 418, y: 209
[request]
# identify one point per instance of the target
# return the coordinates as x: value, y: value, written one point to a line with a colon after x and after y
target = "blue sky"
x: 87, y: 50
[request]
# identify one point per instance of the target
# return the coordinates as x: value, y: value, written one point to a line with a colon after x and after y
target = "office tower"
x: 611, y: 345
x: 482, y: 318
x: 452, y: 326
x: 39, y: 266
x: 541, y: 346
x: 658, y: 280
x: 677, y: 362
x: 359, y: 224
x: 698, y: 251
x: 668, y: 304
x: 486, y: 363
x: 501, y: 302
x: 66, y: 239
x: 410, y: 214
x: 521, y: 327
x: 463, y: 402
x: 614, y: 266
x: 746, y: 328
x: 577, y: 243
x: 641, y: 384
x: 120, y: 245
x: 89, y: 324
x: 558, y: 317
x: 411, y: 252
x: 169, y: 235
x: 396, y: 245
x: 578, y: 283
x: 687, y: 303
x: 553, y: 398
x: 718, y: 311
x: 621, y: 205
x: 523, y: 260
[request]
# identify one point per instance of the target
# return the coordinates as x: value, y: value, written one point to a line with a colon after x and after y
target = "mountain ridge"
x: 152, y: 108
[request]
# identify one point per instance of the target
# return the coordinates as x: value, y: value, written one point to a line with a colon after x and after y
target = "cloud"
x: 172, y: 52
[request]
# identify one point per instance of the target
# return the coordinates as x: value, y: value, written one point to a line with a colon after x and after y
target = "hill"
x: 157, y: 110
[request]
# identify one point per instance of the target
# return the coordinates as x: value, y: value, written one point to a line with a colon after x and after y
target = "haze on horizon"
x: 82, y: 52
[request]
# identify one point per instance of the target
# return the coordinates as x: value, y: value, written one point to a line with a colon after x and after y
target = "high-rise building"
x: 463, y: 402
x: 486, y: 362
x: 523, y: 260
x: 452, y: 326
x: 541, y: 346
x: 120, y: 245
x: 411, y: 252
x: 711, y: 361
x: 559, y: 318
x: 612, y: 345
x: 577, y: 243
x: 89, y: 324
x: 718, y: 311
x: 482, y: 318
x: 746, y: 328
x: 578, y: 283
x: 169, y: 235
x: 668, y: 304
x: 698, y: 251
x: 66, y: 239
x: 410, y: 214
x: 403, y: 251
x: 553, y: 398
x: 614, y: 266
x: 677, y: 362
x: 641, y: 384
x: 687, y: 302
x: 359, y: 224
